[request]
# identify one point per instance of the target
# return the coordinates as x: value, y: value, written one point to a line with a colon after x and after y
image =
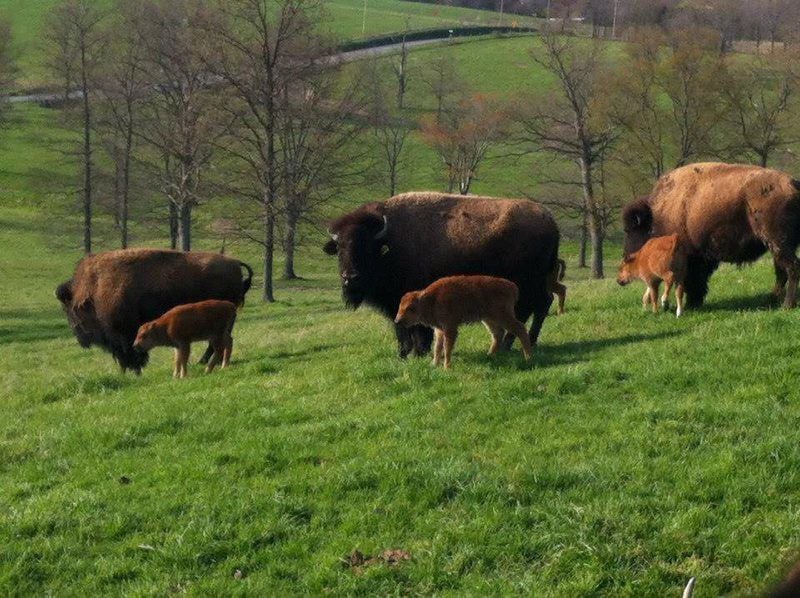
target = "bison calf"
x: 210, y: 320
x: 661, y: 258
x: 455, y: 300
x: 554, y: 285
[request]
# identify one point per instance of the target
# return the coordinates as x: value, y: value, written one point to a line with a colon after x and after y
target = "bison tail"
x: 247, y: 281
x: 562, y: 269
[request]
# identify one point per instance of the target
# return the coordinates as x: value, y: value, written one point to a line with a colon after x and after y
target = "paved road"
x: 349, y: 56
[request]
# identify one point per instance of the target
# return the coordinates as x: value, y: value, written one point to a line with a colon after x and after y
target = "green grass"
x: 346, y: 18
x: 634, y: 451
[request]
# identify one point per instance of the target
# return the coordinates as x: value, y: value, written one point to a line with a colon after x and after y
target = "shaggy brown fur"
x: 659, y: 259
x: 554, y: 284
x: 407, y: 242
x: 723, y: 213
x: 111, y: 294
x: 210, y: 320
x: 455, y: 300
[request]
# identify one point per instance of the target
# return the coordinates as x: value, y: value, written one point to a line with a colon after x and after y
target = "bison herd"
x: 495, y: 260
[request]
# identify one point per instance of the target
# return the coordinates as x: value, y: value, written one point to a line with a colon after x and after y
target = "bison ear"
x: 331, y: 247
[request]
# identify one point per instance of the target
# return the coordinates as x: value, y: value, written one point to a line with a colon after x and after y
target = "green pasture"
x: 633, y: 452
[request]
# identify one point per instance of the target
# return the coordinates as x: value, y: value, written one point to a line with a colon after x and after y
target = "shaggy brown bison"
x: 455, y: 300
x: 111, y: 294
x: 405, y: 243
x: 722, y: 213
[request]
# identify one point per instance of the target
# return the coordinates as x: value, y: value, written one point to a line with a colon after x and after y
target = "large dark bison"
x: 405, y: 243
x: 722, y: 213
x: 111, y: 294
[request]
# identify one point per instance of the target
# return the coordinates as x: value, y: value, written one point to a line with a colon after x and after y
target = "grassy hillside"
x: 346, y: 20
x: 633, y: 452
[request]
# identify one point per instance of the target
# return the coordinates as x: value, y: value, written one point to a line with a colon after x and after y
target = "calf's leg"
x: 226, y: 353
x: 450, y: 336
x: 517, y: 328
x: 219, y: 350
x: 183, y: 351
x: 438, y: 346
x: 780, y: 279
x: 646, y: 298
x: 679, y: 299
x: 176, y: 367
x: 561, y: 293
x: 207, y: 354
x: 497, y: 333
x: 652, y: 287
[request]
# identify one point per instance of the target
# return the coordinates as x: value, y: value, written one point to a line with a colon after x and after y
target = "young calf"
x: 661, y: 258
x: 455, y: 300
x: 554, y: 285
x: 210, y: 320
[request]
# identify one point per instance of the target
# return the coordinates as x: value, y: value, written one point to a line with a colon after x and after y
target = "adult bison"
x: 722, y: 213
x: 111, y: 294
x: 405, y: 243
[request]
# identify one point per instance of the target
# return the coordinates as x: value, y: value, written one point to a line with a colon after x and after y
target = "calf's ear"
x: 331, y: 247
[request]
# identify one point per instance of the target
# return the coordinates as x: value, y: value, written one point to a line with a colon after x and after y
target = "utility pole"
x: 364, y: 19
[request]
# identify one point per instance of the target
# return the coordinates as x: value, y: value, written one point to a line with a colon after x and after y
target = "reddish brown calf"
x: 661, y: 258
x: 455, y: 300
x: 210, y: 320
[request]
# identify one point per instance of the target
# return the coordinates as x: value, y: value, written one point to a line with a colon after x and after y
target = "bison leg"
x: 207, y: 355
x: 540, y: 311
x: 679, y: 300
x: 422, y: 338
x: 523, y: 311
x: 698, y: 272
x: 791, y: 266
x: 780, y: 279
x: 517, y: 328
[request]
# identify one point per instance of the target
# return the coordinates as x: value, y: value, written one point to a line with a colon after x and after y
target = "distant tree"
x: 180, y: 122
x: 463, y: 137
x: 566, y: 124
x: 257, y: 48
x: 389, y: 128
x: 75, y: 44
x: 123, y: 88
x: 444, y: 82
x: 8, y: 66
x: 400, y: 67
x: 760, y: 107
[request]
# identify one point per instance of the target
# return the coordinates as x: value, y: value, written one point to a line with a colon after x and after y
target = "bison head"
x: 81, y: 316
x: 637, y: 219
x: 359, y: 239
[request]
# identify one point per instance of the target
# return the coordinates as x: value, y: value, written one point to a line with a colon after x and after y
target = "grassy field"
x: 346, y: 19
x: 633, y: 452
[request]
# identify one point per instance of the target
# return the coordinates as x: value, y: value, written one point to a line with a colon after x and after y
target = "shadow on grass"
x: 763, y: 301
x: 562, y: 354
x: 29, y: 326
x: 305, y: 352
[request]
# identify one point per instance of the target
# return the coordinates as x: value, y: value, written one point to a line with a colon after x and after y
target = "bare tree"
x: 444, y: 82
x: 258, y: 47
x: 566, y: 125
x: 318, y: 156
x: 758, y: 94
x: 390, y: 130
x: 400, y: 67
x: 179, y: 119
x: 464, y: 137
x: 123, y: 88
x: 75, y: 44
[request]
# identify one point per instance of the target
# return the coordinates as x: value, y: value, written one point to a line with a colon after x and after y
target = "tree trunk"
x: 594, y: 221
x: 185, y: 226
x: 289, y: 246
x: 87, y: 157
x: 173, y: 226
x: 584, y: 240
x: 393, y: 178
x: 126, y: 183
x: 269, y: 253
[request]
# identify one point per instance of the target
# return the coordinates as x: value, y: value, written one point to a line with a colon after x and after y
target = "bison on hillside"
x: 722, y: 213
x: 111, y: 294
x: 405, y: 243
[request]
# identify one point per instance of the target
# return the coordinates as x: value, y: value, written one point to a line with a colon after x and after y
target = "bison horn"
x: 334, y: 236
x: 382, y: 233
x: 688, y: 591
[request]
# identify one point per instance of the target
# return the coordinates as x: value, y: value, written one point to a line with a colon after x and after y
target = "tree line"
x: 199, y: 100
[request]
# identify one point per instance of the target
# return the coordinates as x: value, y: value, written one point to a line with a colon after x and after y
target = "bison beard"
x: 386, y: 249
